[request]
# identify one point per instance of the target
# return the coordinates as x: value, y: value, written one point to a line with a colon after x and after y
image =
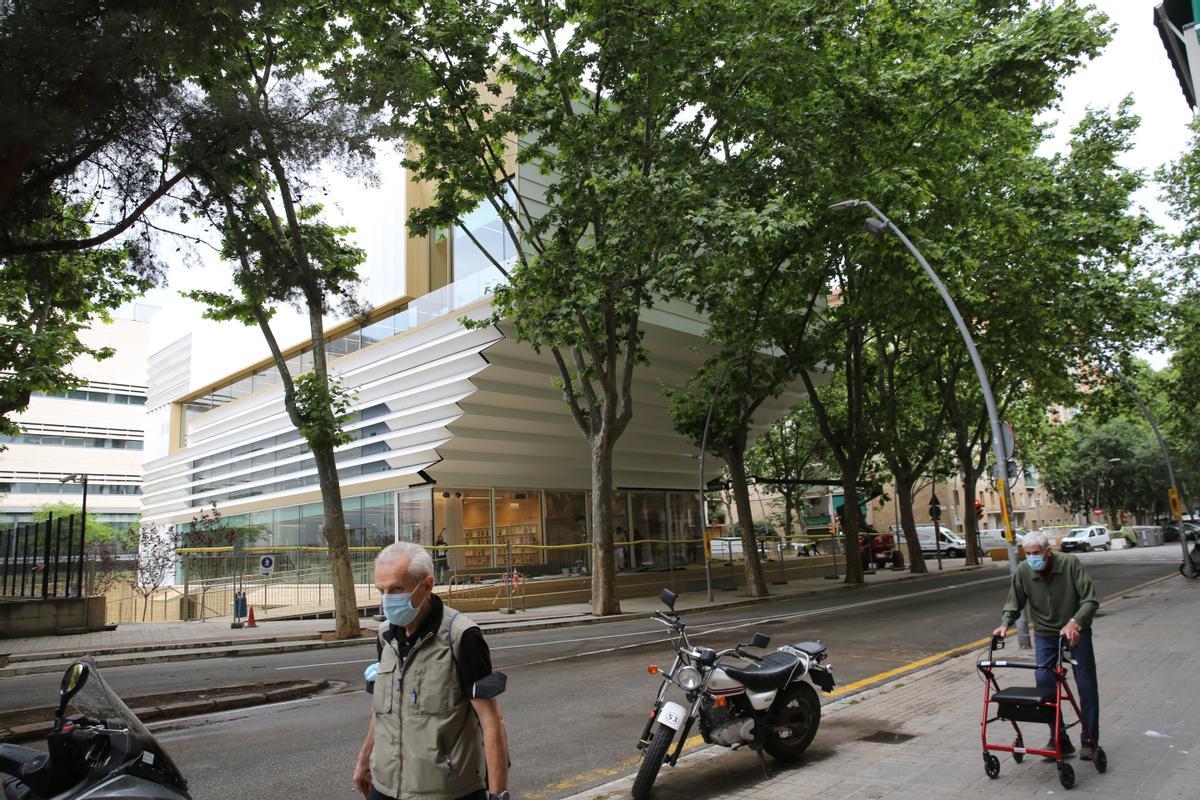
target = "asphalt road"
x: 577, y: 697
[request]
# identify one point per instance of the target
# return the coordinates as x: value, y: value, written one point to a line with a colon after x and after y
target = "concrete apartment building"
x: 456, y: 430
x: 97, y: 428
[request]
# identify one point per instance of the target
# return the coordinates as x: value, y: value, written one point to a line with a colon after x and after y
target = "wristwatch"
x: 502, y: 796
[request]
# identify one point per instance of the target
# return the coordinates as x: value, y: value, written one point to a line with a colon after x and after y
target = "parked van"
x: 952, y: 545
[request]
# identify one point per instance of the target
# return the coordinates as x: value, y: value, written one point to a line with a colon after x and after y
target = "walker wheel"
x: 991, y: 765
x: 1066, y: 775
x: 1101, y: 760
x: 1018, y: 757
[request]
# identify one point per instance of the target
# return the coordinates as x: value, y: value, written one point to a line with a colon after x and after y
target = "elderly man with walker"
x: 1062, y: 603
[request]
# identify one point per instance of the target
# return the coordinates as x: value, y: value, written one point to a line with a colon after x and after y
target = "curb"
x: 287, y: 643
x: 185, y: 708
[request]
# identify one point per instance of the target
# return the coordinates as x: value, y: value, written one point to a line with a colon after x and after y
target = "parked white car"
x: 1090, y: 537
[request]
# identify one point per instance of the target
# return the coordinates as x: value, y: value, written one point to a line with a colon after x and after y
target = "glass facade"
x: 370, y: 522
x: 519, y: 522
x: 566, y: 524
x: 96, y: 397
x: 414, y: 510
x: 58, y: 440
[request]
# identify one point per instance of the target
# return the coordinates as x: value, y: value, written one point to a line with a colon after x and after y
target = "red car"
x: 880, y: 546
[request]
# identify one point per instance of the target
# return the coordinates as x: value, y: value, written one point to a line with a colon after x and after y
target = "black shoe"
x: 1067, y: 748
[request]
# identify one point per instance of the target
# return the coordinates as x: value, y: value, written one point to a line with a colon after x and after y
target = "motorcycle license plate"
x: 672, y: 715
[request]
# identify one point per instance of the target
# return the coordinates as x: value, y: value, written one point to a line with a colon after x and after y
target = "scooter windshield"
x: 96, y: 700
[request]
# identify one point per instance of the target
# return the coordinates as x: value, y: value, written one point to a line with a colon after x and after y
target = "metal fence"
x: 43, y: 559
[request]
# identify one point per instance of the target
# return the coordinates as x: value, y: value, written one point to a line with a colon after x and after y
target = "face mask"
x: 398, y: 609
x: 1036, y: 563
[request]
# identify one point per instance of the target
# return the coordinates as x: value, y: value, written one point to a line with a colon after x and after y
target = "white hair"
x: 420, y: 564
x: 1036, y: 539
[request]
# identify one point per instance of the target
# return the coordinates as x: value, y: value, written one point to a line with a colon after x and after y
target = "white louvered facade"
x: 465, y: 407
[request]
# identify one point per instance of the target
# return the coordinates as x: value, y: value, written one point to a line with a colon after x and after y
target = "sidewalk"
x: 918, y: 738
x: 140, y: 643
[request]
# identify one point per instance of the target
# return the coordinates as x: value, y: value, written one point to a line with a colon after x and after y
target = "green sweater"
x: 1068, y: 594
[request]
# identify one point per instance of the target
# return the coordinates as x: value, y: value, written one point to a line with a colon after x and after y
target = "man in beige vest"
x: 436, y: 729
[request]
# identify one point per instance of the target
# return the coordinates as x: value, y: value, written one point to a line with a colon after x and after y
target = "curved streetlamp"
x: 879, y: 225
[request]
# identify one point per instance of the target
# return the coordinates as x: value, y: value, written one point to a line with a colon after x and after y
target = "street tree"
x: 791, y: 452
x: 610, y: 103
x: 92, y: 104
x: 47, y: 299
x: 281, y: 122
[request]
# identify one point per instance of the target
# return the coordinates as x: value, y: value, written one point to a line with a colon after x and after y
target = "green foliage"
x: 1116, y: 465
x: 92, y: 102
x: 96, y: 531
x: 47, y: 299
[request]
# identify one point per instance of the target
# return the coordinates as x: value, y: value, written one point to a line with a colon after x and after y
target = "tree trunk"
x: 345, y: 599
x: 604, y: 575
x: 854, y: 569
x: 756, y: 584
x: 970, y: 521
x: 787, y: 514
x: 908, y: 523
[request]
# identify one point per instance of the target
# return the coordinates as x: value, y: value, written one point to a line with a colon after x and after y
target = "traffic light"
x: 978, y: 509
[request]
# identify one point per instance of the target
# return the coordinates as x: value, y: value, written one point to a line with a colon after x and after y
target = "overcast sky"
x: 1135, y: 63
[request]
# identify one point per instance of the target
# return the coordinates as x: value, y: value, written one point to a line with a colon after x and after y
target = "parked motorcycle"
x: 101, y: 752
x: 769, y: 704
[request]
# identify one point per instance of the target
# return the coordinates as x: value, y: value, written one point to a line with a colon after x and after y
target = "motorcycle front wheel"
x: 799, y: 711
x: 652, y: 760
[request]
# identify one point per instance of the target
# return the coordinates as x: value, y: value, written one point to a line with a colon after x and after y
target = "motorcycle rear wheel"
x: 652, y: 760
x: 798, y: 708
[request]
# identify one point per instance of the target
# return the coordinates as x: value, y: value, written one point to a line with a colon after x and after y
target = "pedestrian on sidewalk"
x: 1062, y: 602
x: 436, y: 729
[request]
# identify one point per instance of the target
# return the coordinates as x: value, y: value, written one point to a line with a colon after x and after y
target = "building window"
x: 464, y: 517
x: 519, y: 523
x: 566, y: 524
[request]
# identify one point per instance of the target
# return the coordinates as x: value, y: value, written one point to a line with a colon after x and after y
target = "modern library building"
x: 455, y: 430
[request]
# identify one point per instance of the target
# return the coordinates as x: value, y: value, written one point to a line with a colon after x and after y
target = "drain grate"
x: 887, y: 737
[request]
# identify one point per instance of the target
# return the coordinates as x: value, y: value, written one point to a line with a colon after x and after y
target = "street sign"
x: 1009, y: 439
x: 266, y: 565
x: 935, y: 508
x: 1176, y: 507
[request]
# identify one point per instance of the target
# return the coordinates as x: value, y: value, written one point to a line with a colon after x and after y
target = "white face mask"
x: 398, y: 608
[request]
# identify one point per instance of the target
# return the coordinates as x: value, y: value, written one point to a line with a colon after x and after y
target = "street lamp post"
x: 82, y: 477
x: 877, y: 226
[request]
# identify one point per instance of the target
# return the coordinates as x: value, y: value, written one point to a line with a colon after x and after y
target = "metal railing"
x: 43, y: 559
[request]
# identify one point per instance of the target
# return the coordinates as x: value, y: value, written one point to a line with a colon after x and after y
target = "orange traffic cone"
x: 250, y: 619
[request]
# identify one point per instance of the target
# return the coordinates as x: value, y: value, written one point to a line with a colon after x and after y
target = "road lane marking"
x: 722, y: 627
x: 327, y: 664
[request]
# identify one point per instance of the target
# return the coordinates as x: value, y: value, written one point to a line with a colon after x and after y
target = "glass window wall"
x: 415, y: 521
x: 464, y: 517
x: 566, y: 524
x: 519, y: 522
x: 649, y: 519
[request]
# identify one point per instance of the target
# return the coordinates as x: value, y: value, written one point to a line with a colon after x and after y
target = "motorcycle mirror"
x: 668, y: 597
x: 760, y: 640
x: 72, y: 681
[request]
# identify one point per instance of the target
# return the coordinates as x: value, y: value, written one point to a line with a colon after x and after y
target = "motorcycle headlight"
x: 688, y: 678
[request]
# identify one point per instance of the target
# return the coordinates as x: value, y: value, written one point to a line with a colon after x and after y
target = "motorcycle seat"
x: 813, y: 649
x: 773, y: 672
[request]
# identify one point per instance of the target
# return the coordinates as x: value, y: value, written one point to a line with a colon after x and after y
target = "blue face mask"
x: 398, y: 609
x: 1036, y: 563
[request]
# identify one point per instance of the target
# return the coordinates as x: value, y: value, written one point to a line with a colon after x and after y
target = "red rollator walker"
x: 1032, y: 704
